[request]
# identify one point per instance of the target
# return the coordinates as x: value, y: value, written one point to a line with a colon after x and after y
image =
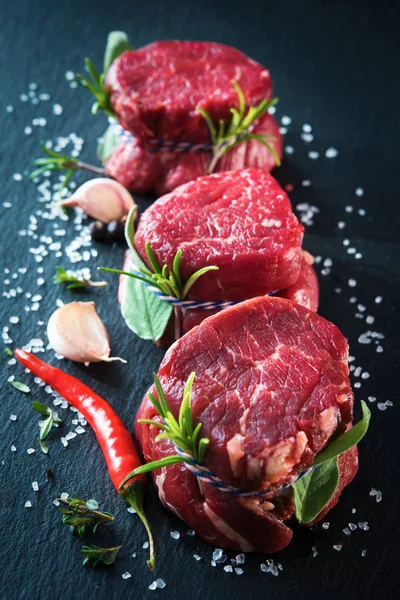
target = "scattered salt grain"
x: 64, y: 442
x: 313, y: 155
x: 64, y: 496
x: 9, y: 108
x: 13, y: 417
x: 153, y: 586
x: 369, y: 320
x: 285, y: 120
x: 131, y: 510
x: 325, y: 525
x: 289, y: 149
x: 70, y: 435
x: 175, y: 535
x: 28, y: 130
x: 346, y: 531
x: 306, y: 183
x: 314, y: 551
x: 126, y: 575
x: 352, y: 526
x: 196, y: 557
x: 337, y: 547
x: 349, y: 209
x: 359, y: 191
x: 363, y: 525
x: 240, y: 559
x: 379, y: 496
x: 160, y: 584
x: 379, y: 349
x: 228, y: 569
x: 31, y: 450
x: 80, y: 430
x: 239, y: 571
x: 28, y: 504
x: 264, y: 568
x: 364, y: 553
x: 145, y: 545
x: 57, y: 109
x: 331, y: 153
x: 362, y: 212
x: 352, y: 282
x: 35, y: 486
x: 56, y: 502
x: 341, y: 224
x: 378, y: 299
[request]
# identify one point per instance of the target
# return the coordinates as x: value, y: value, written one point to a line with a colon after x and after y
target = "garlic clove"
x: 76, y: 331
x: 103, y: 199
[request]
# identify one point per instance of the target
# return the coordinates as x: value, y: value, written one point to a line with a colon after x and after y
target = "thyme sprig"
x: 45, y: 425
x: 61, y: 162
x: 181, y: 431
x: 168, y: 281
x: 95, y: 555
x: 63, y: 276
x: 80, y: 515
x: 94, y: 83
x: 224, y: 134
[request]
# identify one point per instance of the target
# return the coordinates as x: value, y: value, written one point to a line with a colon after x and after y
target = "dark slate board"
x: 334, y: 66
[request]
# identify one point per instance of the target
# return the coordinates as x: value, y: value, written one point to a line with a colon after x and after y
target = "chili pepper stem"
x: 133, y: 494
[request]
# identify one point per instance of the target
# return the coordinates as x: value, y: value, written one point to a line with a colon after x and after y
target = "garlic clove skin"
x: 76, y: 331
x: 103, y: 199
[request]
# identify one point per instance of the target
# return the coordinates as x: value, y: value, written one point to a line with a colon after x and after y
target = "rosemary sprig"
x: 95, y: 555
x: 168, y: 281
x: 94, y: 83
x: 224, y: 134
x: 63, y: 276
x: 45, y: 425
x: 80, y: 514
x: 61, y: 162
x: 181, y: 431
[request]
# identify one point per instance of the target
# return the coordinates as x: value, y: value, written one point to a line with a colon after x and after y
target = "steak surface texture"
x: 240, y: 221
x: 155, y: 90
x: 271, y: 389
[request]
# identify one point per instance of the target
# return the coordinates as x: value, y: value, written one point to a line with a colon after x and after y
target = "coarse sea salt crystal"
x: 64, y: 496
x: 131, y: 510
x: 175, y: 535
x: 325, y: 525
x: 352, y: 526
x: 285, y: 120
x: 239, y: 571
x: 153, y: 586
x: 145, y: 545
x: 196, y: 557
x: 56, y: 502
x: 306, y: 183
x: 346, y: 531
x: 364, y: 553
x: 160, y: 583
x: 313, y: 155
x: 13, y: 417
x: 228, y: 569
x: 35, y: 486
x: 341, y: 224
x: 352, y: 283
x: 337, y: 547
x: 126, y: 575
x: 289, y: 149
x: 359, y: 191
x: 378, y: 299
x: 28, y: 504
x: 331, y: 153
x: 31, y: 450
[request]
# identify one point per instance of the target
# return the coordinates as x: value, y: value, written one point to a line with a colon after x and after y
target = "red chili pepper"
x: 114, y: 438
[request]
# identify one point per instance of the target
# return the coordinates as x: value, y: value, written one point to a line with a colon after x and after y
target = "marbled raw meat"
x: 271, y: 389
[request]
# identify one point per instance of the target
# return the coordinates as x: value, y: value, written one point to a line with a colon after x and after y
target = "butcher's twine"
x: 154, y: 145
x: 208, y: 477
x: 182, y: 303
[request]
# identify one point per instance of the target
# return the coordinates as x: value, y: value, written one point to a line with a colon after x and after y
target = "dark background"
x: 335, y: 66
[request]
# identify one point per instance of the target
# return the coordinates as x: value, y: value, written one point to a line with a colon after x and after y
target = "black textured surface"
x: 335, y: 67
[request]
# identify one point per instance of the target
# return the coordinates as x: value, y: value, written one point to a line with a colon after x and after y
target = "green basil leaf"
x: 45, y: 427
x: 92, y: 504
x: 21, y: 387
x: 313, y: 491
x: 346, y: 440
x: 41, y: 408
x: 144, y: 313
x: 117, y: 44
x: 108, y: 144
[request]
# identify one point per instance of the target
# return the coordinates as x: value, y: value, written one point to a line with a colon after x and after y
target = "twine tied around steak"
x: 156, y: 145
x: 205, y: 475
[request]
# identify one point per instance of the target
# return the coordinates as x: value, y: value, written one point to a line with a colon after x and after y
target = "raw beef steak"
x: 155, y: 90
x: 240, y: 221
x: 271, y: 389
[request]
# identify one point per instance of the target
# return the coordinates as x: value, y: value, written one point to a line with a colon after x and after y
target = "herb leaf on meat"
x: 224, y: 134
x: 313, y: 491
x: 117, y: 44
x: 145, y: 313
x: 181, y: 431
